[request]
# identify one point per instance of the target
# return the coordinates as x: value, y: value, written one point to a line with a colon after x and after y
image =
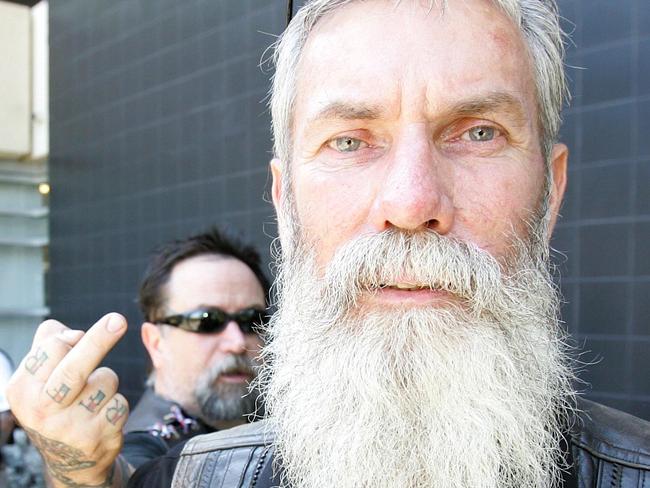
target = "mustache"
x: 232, y: 364
x: 422, y: 259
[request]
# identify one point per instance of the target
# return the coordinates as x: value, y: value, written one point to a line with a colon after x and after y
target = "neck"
x: 168, y: 392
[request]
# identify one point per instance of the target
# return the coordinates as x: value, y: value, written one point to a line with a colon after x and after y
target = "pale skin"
x: 416, y: 120
x: 70, y: 409
x: 403, y: 120
x: 199, y: 282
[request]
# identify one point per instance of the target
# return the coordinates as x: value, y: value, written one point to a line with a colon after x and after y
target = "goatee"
x: 218, y: 401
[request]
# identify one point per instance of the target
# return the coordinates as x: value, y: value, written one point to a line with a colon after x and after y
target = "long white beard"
x: 474, y: 394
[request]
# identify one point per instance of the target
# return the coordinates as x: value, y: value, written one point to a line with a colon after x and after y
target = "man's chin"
x: 430, y: 387
x: 228, y: 402
x: 229, y: 391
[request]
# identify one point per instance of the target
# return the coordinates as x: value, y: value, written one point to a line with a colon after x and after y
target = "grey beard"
x: 224, y: 401
x: 474, y: 394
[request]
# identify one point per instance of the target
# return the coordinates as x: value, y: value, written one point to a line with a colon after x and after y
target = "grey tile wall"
x: 151, y: 106
x: 159, y: 129
x: 604, y: 229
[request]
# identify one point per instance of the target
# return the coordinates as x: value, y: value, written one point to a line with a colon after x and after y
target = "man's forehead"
x: 213, y: 280
x: 376, y: 51
x: 450, y: 21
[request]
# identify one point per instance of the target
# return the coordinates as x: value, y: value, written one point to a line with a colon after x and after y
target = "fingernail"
x: 115, y: 323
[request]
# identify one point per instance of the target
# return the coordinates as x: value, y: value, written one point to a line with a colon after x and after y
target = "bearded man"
x: 417, y: 342
x: 202, y: 299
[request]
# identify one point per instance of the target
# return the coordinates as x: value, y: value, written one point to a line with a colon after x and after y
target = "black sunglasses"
x: 211, y: 320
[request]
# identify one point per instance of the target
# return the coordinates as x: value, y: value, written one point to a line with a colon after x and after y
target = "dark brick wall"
x: 159, y: 129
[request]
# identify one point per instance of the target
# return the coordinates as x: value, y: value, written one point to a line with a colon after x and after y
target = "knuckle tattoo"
x: 115, y: 412
x: 93, y: 402
x: 58, y: 394
x: 34, y: 362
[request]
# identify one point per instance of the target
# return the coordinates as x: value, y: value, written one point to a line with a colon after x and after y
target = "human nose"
x: 415, y: 191
x: 233, y: 339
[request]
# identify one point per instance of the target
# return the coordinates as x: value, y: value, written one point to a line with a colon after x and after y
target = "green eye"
x: 347, y: 144
x: 481, y: 133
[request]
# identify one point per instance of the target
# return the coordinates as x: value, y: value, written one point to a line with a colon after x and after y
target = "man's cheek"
x: 253, y: 347
x: 486, y: 221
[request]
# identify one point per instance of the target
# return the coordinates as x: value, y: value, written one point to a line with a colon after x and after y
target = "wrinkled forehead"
x: 390, y: 50
x: 388, y: 20
x: 210, y: 280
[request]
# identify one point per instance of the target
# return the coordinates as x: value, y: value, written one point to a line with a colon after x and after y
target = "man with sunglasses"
x: 417, y: 180
x: 203, y: 299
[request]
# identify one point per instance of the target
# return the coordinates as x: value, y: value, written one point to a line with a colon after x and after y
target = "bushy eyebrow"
x: 347, y: 111
x: 493, y: 102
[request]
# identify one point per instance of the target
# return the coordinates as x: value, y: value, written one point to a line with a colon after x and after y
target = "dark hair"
x: 213, y: 241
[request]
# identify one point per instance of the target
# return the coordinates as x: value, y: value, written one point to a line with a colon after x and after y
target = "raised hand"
x: 70, y: 408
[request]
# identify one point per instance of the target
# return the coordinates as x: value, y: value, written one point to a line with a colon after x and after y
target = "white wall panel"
x: 15, y: 80
x: 40, y: 82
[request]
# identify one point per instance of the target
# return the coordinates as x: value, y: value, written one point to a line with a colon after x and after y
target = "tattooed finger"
x: 102, y: 385
x: 49, y: 351
x: 75, y: 368
x: 93, y: 402
x: 35, y: 360
x: 117, y: 411
x: 58, y: 394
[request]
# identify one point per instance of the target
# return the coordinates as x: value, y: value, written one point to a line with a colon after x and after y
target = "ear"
x: 152, y: 338
x: 559, y: 161
x: 276, y: 189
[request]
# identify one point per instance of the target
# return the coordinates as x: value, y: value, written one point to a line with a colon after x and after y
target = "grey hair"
x: 538, y: 21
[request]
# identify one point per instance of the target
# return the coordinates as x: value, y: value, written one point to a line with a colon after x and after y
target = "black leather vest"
x: 238, y: 457
x: 163, y: 419
x: 610, y: 449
